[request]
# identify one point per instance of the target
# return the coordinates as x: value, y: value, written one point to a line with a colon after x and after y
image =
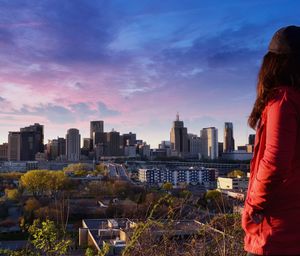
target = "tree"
x: 72, y: 168
x: 236, y: 174
x: 57, y: 181
x: 101, y: 169
x: 40, y: 182
x: 47, y: 238
x: 167, y: 186
x: 35, y: 181
x: 12, y: 194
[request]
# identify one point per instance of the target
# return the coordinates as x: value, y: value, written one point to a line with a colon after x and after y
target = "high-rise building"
x: 251, y: 139
x: 4, y: 152
x: 128, y: 139
x: 14, y: 146
x: 52, y: 149
x: 179, y: 138
x: 86, y: 143
x: 73, y: 145
x: 31, y: 141
x: 95, y: 126
x: 194, y: 145
x: 113, y: 143
x: 56, y: 149
x: 209, y: 138
x: 220, y: 148
x: 62, y: 146
x: 228, y: 137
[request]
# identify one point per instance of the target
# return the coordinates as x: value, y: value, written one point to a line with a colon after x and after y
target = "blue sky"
x: 134, y: 64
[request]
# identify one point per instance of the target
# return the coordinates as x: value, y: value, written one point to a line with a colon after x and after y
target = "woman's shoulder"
x: 284, y: 94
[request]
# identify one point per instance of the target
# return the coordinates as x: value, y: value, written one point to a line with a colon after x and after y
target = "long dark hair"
x: 276, y: 70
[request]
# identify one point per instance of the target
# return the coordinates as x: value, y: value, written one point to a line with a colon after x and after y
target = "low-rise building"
x: 239, y: 184
x: 179, y: 175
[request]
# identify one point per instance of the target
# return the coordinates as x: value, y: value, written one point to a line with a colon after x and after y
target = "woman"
x: 271, y: 217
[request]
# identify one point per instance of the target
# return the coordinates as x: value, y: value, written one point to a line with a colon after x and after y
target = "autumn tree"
x: 167, y: 186
x: 12, y: 194
x: 236, y: 174
x: 47, y: 238
x: 40, y: 182
x: 77, y: 168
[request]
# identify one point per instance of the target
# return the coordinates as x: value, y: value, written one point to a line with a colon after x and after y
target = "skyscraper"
x: 4, y: 152
x: 209, y: 138
x: 251, y: 139
x: 228, y: 137
x: 31, y: 141
x: 56, y: 148
x: 14, y: 146
x: 179, y: 137
x: 128, y: 139
x: 113, y: 143
x: 194, y: 145
x: 73, y: 145
x: 95, y: 126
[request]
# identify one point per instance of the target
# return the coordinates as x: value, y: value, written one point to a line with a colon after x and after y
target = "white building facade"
x: 209, y: 138
x: 176, y: 176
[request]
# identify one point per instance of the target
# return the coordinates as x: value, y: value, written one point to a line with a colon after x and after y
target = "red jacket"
x: 274, y: 185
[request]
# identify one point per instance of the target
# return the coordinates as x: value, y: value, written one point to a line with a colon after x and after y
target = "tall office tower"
x: 194, y: 145
x: 73, y: 145
x: 251, y: 139
x: 228, y: 138
x: 62, y: 146
x: 179, y: 137
x: 4, y: 152
x: 128, y: 139
x: 209, y: 138
x: 220, y: 148
x: 86, y: 143
x: 31, y: 141
x: 113, y: 143
x: 14, y: 146
x: 52, y: 149
x: 95, y: 126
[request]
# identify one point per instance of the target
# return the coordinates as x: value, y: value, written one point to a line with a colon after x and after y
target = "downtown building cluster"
x: 27, y: 144
x: 206, y: 146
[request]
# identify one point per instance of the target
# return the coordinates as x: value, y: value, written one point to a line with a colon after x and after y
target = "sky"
x: 134, y: 64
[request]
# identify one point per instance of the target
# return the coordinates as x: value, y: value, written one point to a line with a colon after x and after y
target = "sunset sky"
x: 133, y: 63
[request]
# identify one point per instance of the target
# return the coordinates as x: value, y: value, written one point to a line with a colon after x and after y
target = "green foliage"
x: 89, y: 252
x: 236, y: 174
x: 47, y: 238
x: 167, y: 186
x: 12, y: 194
x: 23, y: 252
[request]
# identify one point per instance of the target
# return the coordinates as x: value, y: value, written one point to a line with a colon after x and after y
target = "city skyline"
x: 134, y: 65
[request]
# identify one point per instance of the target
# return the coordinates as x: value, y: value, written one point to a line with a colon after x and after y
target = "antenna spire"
x: 177, y: 117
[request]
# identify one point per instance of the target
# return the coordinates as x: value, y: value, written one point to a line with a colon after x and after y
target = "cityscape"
x: 124, y: 124
x: 116, y: 171
x: 28, y: 145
